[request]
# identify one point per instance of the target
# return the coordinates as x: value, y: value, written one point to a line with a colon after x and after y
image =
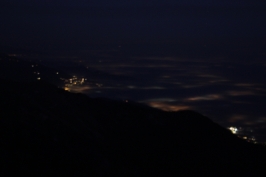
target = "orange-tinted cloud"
x: 168, y: 107
x: 205, y: 97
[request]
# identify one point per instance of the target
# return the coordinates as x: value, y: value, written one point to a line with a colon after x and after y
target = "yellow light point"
x: 38, y: 78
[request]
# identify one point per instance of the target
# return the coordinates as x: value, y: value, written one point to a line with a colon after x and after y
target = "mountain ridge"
x: 48, y: 131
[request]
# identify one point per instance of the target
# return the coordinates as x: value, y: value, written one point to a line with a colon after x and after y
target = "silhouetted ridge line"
x: 16, y: 69
x: 47, y: 131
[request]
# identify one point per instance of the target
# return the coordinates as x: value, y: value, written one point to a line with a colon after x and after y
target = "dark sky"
x: 74, y: 24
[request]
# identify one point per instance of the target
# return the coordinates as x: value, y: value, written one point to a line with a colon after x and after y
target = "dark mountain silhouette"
x: 46, y: 131
x: 17, y: 69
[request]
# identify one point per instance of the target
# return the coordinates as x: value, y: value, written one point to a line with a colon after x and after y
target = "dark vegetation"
x: 46, y: 131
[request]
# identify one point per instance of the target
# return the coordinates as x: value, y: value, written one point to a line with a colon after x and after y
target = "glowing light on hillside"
x: 233, y: 130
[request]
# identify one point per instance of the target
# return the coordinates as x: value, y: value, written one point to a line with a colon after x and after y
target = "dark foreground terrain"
x: 46, y: 131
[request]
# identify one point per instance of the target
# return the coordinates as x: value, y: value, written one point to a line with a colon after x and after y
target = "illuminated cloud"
x: 240, y: 93
x: 168, y: 107
x: 205, y: 97
x: 260, y: 89
x: 131, y: 87
x: 261, y: 120
x: 237, y: 118
x: 79, y: 89
x: 244, y: 85
x: 174, y: 59
x: 166, y: 104
x: 247, y: 120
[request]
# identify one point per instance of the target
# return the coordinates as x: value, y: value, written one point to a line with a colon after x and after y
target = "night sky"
x: 203, y: 55
x: 80, y: 24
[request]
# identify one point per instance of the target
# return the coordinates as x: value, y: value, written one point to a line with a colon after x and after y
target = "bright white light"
x: 233, y: 130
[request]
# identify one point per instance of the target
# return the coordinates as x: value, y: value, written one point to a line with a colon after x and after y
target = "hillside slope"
x: 47, y: 131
